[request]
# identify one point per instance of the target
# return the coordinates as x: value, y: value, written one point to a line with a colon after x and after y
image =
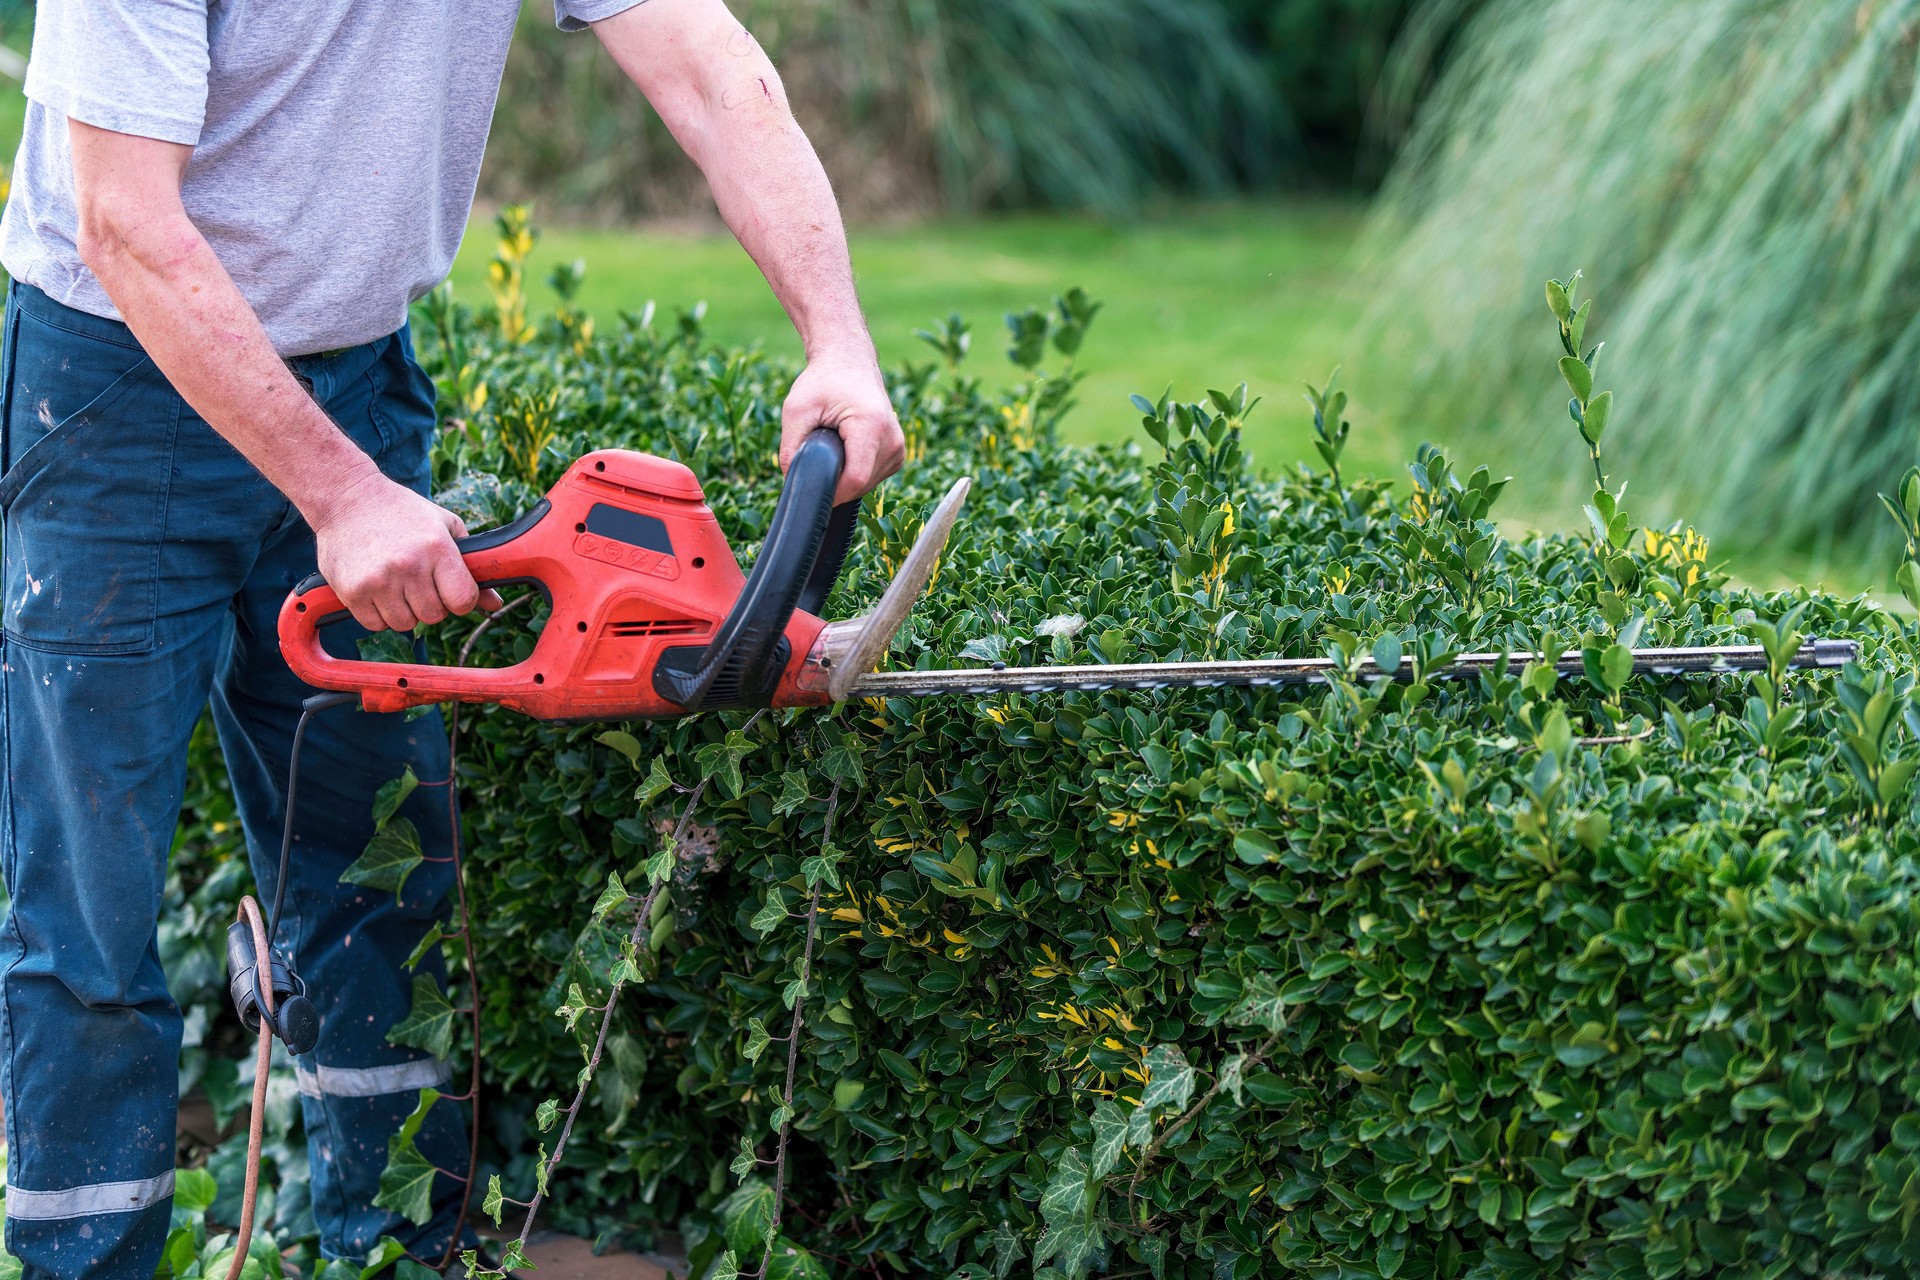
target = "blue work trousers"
x: 145, y: 562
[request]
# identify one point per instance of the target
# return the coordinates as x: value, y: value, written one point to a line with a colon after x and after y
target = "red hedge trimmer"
x: 652, y: 617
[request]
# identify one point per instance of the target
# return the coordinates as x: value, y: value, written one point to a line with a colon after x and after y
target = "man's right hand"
x: 389, y: 555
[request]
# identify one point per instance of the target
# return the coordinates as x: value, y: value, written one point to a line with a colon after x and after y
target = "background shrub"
x: 1510, y: 977
x: 1742, y: 175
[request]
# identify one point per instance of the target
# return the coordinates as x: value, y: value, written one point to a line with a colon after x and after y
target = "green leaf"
x: 1599, y: 409
x: 1068, y: 1195
x: 1109, y: 1135
x: 772, y: 914
x: 1254, y: 848
x: 1556, y: 302
x: 1387, y: 655
x: 726, y: 1267
x: 842, y: 763
x: 1260, y: 1005
x: 406, y: 1184
x: 429, y: 1024
x: 746, y: 1215
x: 793, y: 792
x: 194, y: 1190
x: 548, y: 1112
x: 611, y: 898
x: 387, y: 801
x: 757, y: 1039
x: 657, y: 783
x: 389, y: 859
x: 1007, y: 1249
x: 745, y: 1162
x: 428, y: 941
x: 823, y: 867
x: 1169, y: 1078
x: 660, y: 865
x: 1579, y: 377
x: 422, y: 1104
x: 495, y: 1203
x: 623, y: 742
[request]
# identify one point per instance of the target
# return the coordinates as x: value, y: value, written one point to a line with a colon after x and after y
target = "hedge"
x: 1510, y: 977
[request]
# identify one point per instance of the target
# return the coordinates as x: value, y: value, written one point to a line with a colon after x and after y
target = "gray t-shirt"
x: 336, y: 143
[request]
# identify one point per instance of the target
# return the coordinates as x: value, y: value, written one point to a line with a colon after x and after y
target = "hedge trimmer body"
x: 652, y: 616
x: 650, y: 613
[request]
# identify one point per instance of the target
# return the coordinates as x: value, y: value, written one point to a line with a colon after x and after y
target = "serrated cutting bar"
x: 1815, y: 654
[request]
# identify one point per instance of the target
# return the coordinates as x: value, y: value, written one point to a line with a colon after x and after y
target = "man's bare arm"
x: 719, y: 94
x: 386, y: 550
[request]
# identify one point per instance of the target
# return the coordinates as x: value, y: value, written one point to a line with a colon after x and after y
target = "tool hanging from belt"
x: 651, y: 617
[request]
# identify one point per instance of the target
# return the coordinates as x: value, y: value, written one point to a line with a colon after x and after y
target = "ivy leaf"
x: 842, y: 763
x: 660, y: 865
x: 623, y: 742
x: 757, y: 1039
x: 573, y: 1009
x: 772, y: 915
x: 1153, y: 1252
x: 611, y: 898
x: 546, y: 1114
x: 429, y: 1025
x: 744, y: 1163
x: 387, y: 801
x: 406, y: 1184
x: 1109, y: 1135
x: 721, y: 761
x: 383, y: 1255
x: 389, y: 859
x: 628, y: 968
x: 542, y: 1170
x: 793, y: 792
x: 793, y: 992
x: 1260, y: 1005
x: 823, y: 867
x: 1233, y: 1078
x: 1007, y: 1249
x: 781, y: 1114
x: 194, y: 1190
x: 657, y: 783
x: 727, y: 1268
x: 433, y: 938
x: 1169, y: 1078
x: 495, y: 1203
x: 1066, y: 1198
x: 423, y: 1103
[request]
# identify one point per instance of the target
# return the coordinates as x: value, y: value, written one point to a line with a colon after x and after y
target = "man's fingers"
x: 455, y: 586
x: 394, y: 611
x: 367, y: 616
x: 491, y: 602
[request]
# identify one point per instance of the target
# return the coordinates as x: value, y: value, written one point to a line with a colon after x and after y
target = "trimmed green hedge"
x: 1502, y: 978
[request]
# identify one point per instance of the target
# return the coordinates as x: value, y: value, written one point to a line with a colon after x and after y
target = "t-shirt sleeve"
x: 577, y: 15
x: 132, y: 66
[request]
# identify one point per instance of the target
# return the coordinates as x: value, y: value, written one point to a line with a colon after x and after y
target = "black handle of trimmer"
x: 806, y: 544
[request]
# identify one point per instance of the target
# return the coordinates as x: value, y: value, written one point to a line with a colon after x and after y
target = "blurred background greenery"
x: 1259, y: 189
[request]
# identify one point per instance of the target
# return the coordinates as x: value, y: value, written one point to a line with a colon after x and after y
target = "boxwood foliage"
x: 1505, y: 977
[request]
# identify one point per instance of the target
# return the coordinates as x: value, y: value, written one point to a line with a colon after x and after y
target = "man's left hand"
x: 846, y: 392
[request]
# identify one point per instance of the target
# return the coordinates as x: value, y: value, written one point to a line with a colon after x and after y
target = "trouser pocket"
x: 90, y: 428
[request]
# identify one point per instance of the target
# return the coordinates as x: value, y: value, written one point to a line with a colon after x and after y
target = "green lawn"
x: 1205, y: 298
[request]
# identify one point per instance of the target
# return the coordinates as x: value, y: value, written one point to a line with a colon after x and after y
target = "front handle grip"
x: 743, y: 663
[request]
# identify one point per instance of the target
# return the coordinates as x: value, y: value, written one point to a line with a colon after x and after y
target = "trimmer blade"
x: 878, y: 627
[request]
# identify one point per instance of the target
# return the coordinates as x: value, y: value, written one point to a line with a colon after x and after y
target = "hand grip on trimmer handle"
x: 492, y: 559
x: 806, y: 545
